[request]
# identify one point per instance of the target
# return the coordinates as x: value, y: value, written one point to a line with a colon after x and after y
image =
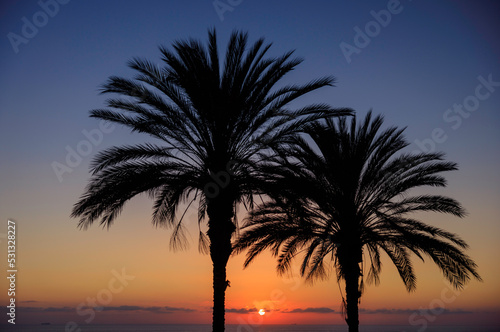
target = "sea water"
x: 246, y: 328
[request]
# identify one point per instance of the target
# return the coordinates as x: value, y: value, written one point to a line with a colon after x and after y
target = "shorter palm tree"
x: 345, y: 200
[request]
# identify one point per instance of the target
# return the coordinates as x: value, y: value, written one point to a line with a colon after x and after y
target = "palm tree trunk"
x: 218, y: 314
x: 220, y: 231
x: 352, y: 295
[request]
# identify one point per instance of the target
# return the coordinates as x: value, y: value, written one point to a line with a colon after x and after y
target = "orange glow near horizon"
x: 68, y: 270
x: 181, y: 282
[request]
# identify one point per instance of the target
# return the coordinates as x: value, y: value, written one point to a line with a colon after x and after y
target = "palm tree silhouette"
x: 213, y: 123
x: 345, y: 199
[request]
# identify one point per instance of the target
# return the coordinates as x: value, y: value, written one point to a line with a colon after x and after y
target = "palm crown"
x: 205, y: 119
x: 345, y: 199
x: 213, y: 122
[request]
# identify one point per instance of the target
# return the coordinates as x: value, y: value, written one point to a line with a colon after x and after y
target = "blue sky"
x: 425, y: 60
x: 429, y: 57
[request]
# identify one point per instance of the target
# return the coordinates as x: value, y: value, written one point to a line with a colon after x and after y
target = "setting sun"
x: 262, y: 312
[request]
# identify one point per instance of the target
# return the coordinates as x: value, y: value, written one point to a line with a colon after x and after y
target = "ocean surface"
x: 244, y: 328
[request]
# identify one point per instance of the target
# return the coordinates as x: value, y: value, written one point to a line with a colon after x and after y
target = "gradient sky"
x: 431, y: 56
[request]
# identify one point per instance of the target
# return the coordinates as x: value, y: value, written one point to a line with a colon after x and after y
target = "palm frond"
x: 349, y: 186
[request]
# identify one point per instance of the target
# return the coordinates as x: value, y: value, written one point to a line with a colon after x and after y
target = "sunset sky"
x: 432, y: 66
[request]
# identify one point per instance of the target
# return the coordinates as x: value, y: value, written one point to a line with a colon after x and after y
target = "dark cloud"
x: 411, y: 311
x: 178, y: 309
x: 47, y: 309
x: 322, y: 310
x: 165, y: 309
x: 385, y: 311
x: 241, y: 310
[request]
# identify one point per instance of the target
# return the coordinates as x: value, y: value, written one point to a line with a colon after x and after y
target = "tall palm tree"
x: 212, y: 123
x: 345, y: 199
